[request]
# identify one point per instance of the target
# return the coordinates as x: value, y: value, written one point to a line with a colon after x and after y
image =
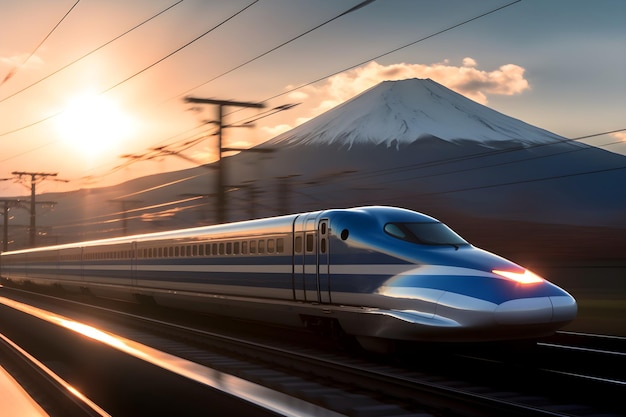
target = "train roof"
x: 380, y: 214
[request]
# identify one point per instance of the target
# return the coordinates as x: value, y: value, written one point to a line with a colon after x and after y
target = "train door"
x: 310, y: 259
x: 323, y: 269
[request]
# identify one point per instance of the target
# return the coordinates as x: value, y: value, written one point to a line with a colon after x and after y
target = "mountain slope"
x: 404, y: 111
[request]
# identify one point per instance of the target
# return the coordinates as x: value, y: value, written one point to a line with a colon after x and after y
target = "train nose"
x: 555, y: 309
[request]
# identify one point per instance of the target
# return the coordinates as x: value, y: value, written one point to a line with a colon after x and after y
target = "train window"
x: 427, y: 233
x: 188, y: 250
x: 214, y: 249
x: 271, y: 245
x: 194, y: 250
x: 309, y: 242
x: 323, y: 245
x: 177, y: 251
x: 253, y: 246
x: 298, y: 244
x: 236, y: 248
x: 229, y: 248
x: 395, y: 231
x: 323, y: 228
x: 221, y: 246
x: 261, y: 246
x: 280, y: 245
x: 207, y: 249
x: 244, y: 247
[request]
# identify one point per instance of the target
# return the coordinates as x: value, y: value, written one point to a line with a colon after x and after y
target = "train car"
x: 378, y: 273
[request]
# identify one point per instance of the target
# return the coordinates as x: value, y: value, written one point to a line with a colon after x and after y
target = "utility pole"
x: 284, y: 192
x: 7, y: 204
x: 35, y: 178
x: 221, y: 171
x: 126, y: 205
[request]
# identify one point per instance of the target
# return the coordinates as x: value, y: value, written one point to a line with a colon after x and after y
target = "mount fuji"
x: 402, y: 112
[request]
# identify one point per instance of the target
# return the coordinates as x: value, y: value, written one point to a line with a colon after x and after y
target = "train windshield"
x: 428, y: 233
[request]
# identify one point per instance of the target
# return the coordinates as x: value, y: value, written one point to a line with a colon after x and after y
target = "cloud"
x: 16, y: 62
x: 271, y: 131
x: 22, y: 60
x: 466, y: 79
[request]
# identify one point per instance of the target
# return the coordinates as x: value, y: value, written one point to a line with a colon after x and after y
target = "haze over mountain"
x: 411, y: 143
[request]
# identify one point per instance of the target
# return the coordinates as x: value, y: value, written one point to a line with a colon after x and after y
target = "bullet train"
x: 380, y: 274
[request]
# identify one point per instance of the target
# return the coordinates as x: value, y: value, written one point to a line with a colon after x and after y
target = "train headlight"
x: 526, y: 277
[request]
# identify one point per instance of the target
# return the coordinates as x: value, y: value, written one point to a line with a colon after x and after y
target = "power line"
x: 139, y: 72
x: 395, y: 49
x: 352, y: 9
x: 92, y: 51
x: 13, y: 71
x: 182, y: 47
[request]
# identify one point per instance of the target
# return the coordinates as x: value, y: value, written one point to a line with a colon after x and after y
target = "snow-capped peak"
x: 405, y: 111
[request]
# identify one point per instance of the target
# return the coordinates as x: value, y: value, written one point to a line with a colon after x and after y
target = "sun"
x: 92, y: 124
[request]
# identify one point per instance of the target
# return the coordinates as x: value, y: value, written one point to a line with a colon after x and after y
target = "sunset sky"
x: 83, y: 83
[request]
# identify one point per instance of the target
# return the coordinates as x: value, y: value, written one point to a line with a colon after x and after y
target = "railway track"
x: 36, y: 390
x: 426, y: 383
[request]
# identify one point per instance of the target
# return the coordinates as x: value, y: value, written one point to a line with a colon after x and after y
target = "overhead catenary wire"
x: 197, y: 38
x: 125, y: 80
x: 137, y: 26
x: 249, y: 61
